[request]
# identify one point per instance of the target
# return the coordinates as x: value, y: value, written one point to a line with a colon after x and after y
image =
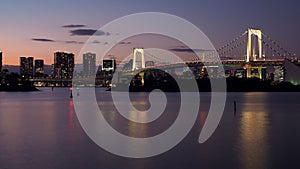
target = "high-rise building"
x: 228, y: 73
x: 89, y: 64
x: 240, y: 73
x: 52, y: 70
x: 26, y: 66
x: 279, y: 73
x: 39, y: 68
x: 0, y: 60
x: 108, y: 64
x: 264, y: 74
x: 63, y: 65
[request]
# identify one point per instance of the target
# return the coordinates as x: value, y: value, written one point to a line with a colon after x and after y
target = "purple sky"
x: 36, y: 27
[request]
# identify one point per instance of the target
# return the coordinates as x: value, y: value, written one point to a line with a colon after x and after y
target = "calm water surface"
x: 39, y: 130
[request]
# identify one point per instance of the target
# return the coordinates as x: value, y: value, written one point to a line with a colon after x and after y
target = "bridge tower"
x: 135, y: 51
x: 257, y: 33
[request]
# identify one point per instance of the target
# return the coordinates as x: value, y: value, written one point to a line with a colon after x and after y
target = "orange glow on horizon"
x: 13, y: 58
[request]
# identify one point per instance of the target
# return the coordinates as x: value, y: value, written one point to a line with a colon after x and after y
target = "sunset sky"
x: 38, y: 28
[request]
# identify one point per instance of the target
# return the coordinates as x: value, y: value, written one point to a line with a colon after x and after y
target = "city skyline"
x: 42, y: 31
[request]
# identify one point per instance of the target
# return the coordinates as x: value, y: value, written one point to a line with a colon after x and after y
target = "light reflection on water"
x: 71, y: 113
x: 253, y: 141
x: 41, y: 130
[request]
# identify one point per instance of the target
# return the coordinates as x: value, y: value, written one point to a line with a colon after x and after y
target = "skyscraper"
x: 39, y: 68
x: 89, y: 64
x: 26, y: 66
x: 0, y: 60
x: 279, y: 73
x: 63, y: 65
x: 109, y: 64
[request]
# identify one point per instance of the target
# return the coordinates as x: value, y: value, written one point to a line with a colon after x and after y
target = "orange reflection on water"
x: 137, y: 129
x: 202, y: 117
x: 71, y: 113
x: 253, y: 140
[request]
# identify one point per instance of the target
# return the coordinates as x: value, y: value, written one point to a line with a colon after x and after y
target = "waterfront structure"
x: 240, y: 73
x: 89, y: 64
x: 39, y: 68
x: 63, y: 65
x: 108, y: 65
x: 26, y: 66
x: 0, y: 60
x: 279, y: 73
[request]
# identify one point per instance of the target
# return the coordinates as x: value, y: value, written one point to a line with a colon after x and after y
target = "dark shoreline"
x: 18, y: 89
x: 204, y: 85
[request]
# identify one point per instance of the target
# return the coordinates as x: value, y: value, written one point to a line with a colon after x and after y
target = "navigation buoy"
x: 234, y: 107
x: 71, y: 95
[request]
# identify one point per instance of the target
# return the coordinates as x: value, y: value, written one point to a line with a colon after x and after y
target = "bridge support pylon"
x: 255, y: 71
x: 251, y: 53
x: 135, y: 51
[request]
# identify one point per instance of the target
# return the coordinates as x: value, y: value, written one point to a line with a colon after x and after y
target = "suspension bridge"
x: 250, y: 54
x: 253, y: 51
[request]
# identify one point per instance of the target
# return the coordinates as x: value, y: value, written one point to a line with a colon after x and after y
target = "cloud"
x: 188, y: 50
x: 74, y: 42
x: 59, y: 41
x: 42, y: 40
x: 95, y: 42
x: 74, y: 26
x: 125, y: 43
x: 88, y: 32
